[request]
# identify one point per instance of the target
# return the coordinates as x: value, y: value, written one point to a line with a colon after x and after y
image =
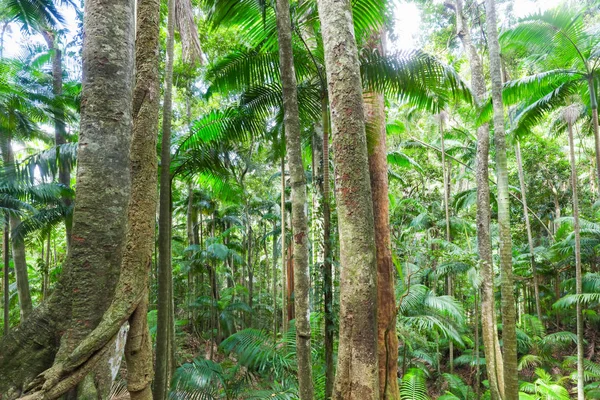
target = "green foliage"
x: 412, y: 386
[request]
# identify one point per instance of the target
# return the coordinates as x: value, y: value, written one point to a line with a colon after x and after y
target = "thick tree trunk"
x: 60, y: 132
x: 509, y: 336
x: 165, y: 327
x: 387, y: 339
x: 357, y: 373
x: 570, y: 116
x: 18, y: 243
x: 536, y: 284
x: 298, y: 184
x: 494, y: 361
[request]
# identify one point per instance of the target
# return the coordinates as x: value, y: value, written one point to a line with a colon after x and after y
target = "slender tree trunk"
x: 357, y: 373
x: 298, y: 184
x: 191, y: 221
x: 60, y: 132
x: 327, y: 265
x: 570, y: 115
x: 165, y: 326
x: 387, y: 339
x: 284, y: 320
x: 536, y: 287
x: 494, y: 360
x: 275, y: 319
x: 595, y: 129
x: 509, y: 336
x: 18, y: 243
x: 6, y: 288
x: 446, y: 179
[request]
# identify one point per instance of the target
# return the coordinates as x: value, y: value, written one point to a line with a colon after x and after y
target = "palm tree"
x: 570, y: 115
x: 565, y: 49
x: 509, y: 337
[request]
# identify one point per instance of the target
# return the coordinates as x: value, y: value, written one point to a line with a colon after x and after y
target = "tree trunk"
x: 387, y: 339
x: 60, y: 132
x: 446, y: 180
x: 327, y: 265
x: 6, y: 283
x: 275, y: 319
x: 357, y: 373
x: 191, y: 221
x: 18, y: 243
x: 284, y: 320
x: 494, y: 361
x: 570, y: 117
x: 595, y: 129
x: 298, y: 184
x: 536, y: 287
x: 509, y: 336
x: 165, y: 322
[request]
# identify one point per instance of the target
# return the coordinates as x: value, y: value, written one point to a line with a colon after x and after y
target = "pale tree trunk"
x: 357, y: 372
x: 509, y: 336
x: 387, y: 339
x: 494, y: 360
x: 165, y: 327
x: 191, y: 221
x: 298, y: 184
x: 18, y: 243
x: 536, y: 285
x: 570, y: 115
x: 327, y: 265
x: 60, y: 132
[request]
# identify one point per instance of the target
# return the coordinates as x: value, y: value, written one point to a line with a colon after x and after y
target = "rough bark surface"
x: 387, y: 339
x: 165, y: 323
x: 298, y: 184
x: 357, y: 372
x: 509, y: 336
x: 494, y: 363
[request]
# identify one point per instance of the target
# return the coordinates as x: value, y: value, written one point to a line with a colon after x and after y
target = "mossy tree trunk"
x: 298, y: 197
x: 509, y: 335
x: 491, y: 345
x: 357, y: 373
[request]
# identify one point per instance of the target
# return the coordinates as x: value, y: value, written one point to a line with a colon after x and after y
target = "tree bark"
x: 357, y: 373
x: 291, y: 123
x: 494, y: 361
x: 387, y: 339
x: 509, y: 336
x: 165, y: 327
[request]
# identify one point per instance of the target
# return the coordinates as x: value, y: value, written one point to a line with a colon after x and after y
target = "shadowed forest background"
x: 281, y: 199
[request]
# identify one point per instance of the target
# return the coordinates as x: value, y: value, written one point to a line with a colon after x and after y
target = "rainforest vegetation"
x: 300, y: 199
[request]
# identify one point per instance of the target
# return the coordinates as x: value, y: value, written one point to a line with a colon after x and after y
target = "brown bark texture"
x: 491, y: 345
x: 299, y: 262
x: 357, y: 372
